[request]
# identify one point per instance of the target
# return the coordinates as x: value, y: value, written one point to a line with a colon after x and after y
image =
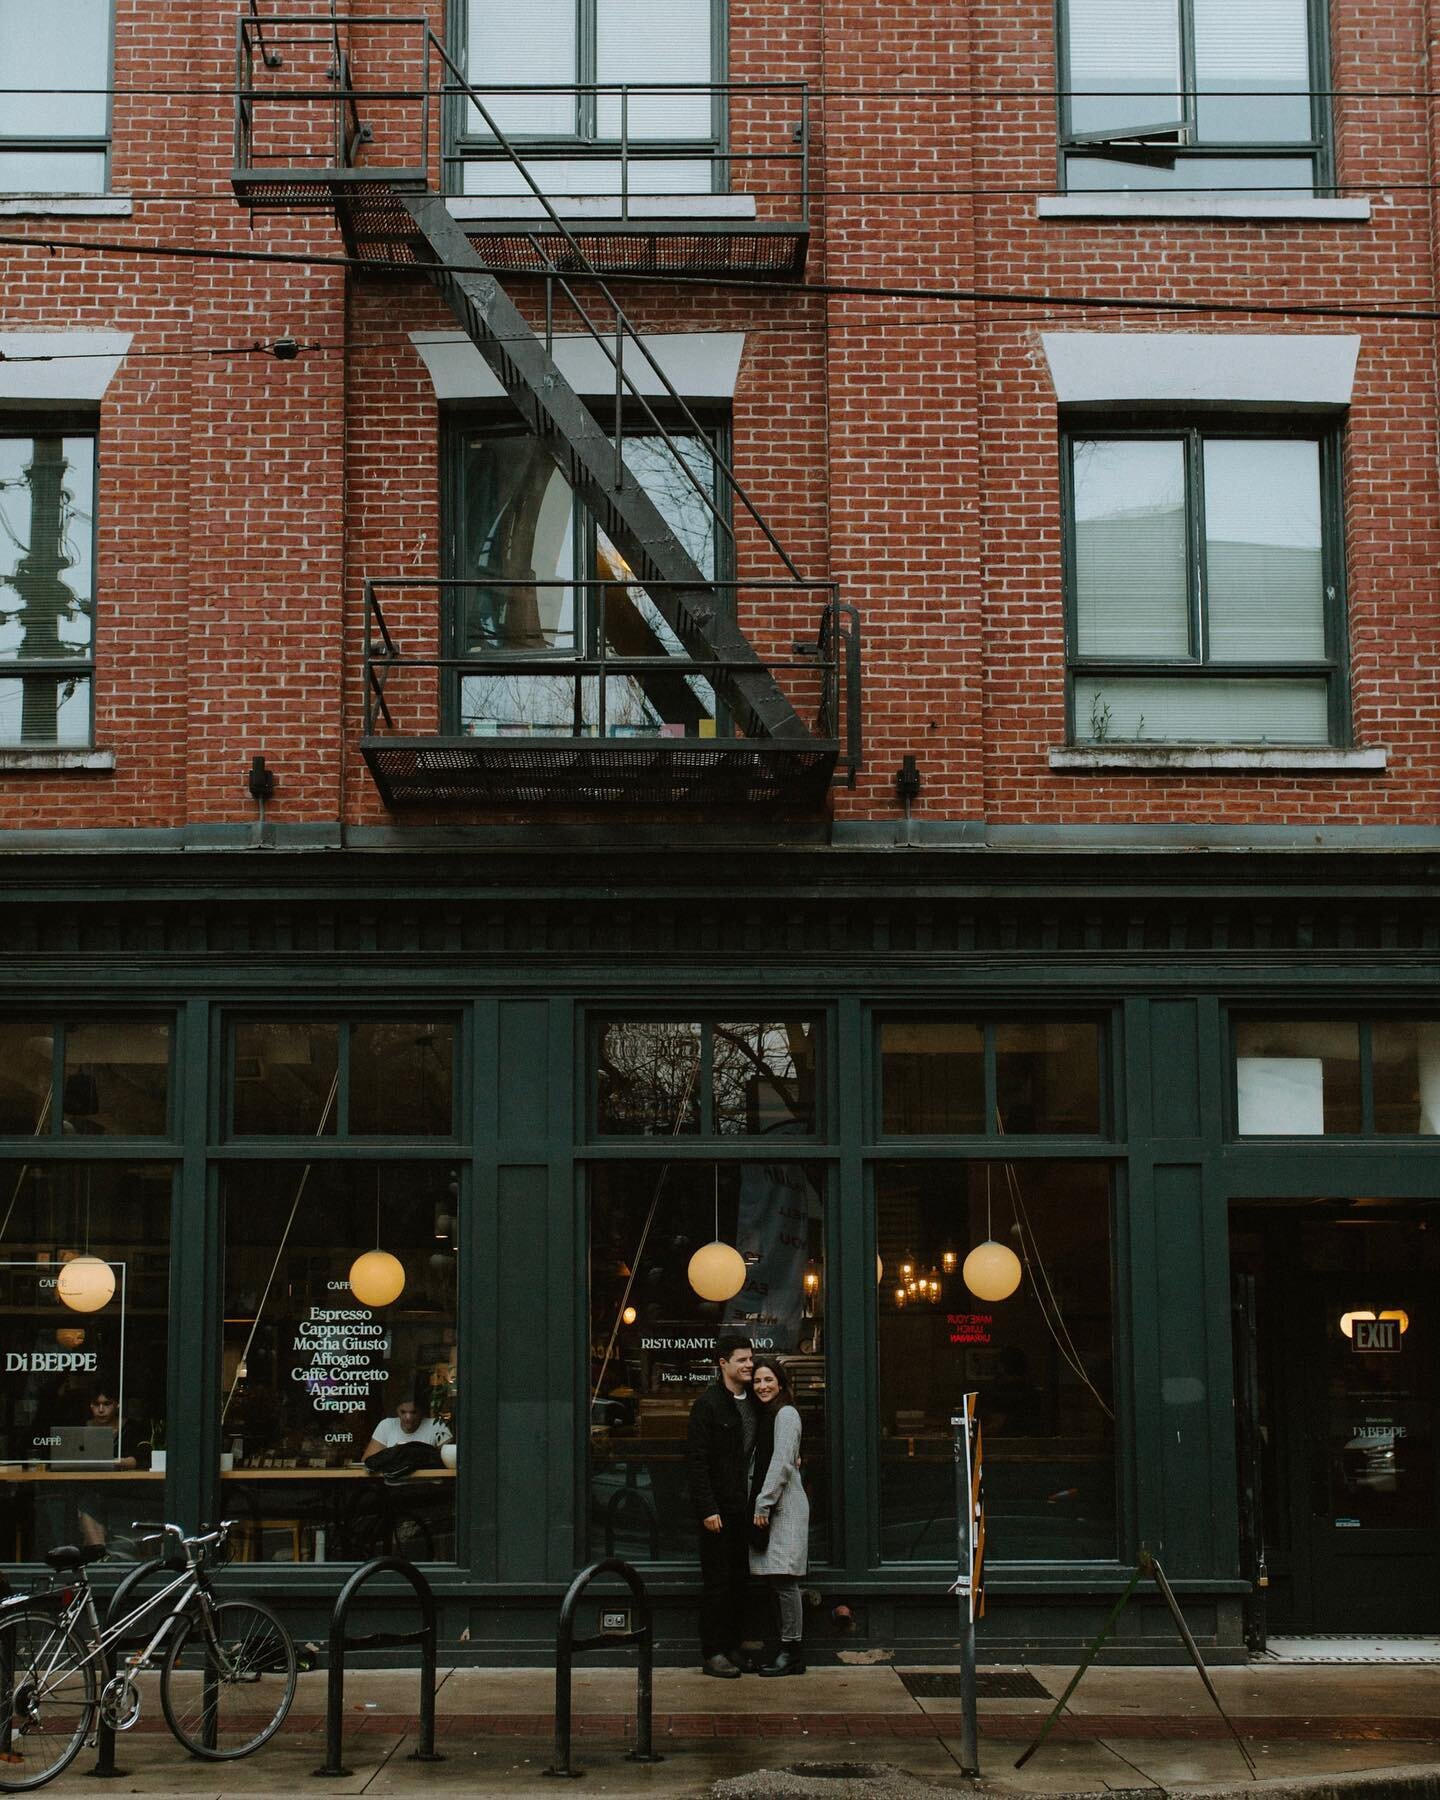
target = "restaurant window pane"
x: 116, y: 1078
x: 764, y: 1078
x: 1041, y: 1360
x: 402, y: 1079
x: 1405, y: 1064
x: 648, y: 1078
x: 1047, y: 1077
x: 85, y: 1290
x: 652, y: 1336
x: 286, y: 1078
x: 314, y: 1373
x: 27, y: 1077
x: 1297, y: 1077
x: 933, y: 1076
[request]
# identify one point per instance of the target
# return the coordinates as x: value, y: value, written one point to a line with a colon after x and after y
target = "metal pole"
x: 427, y: 1751
x: 964, y: 1587
x: 335, y: 1695
x: 564, y: 1657
x: 644, y: 1751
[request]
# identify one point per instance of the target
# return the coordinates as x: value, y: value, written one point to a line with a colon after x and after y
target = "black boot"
x: 790, y: 1661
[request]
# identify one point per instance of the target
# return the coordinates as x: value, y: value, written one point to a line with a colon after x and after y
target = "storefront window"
x: 111, y: 1076
x: 1043, y: 1075
x: 318, y: 1374
x: 668, y: 1078
x: 1297, y: 1077
x: 1405, y: 1064
x: 84, y: 1288
x: 1041, y: 1360
x: 373, y: 1078
x: 652, y: 1335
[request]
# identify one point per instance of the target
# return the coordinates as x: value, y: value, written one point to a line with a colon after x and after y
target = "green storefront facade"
x: 1194, y: 1092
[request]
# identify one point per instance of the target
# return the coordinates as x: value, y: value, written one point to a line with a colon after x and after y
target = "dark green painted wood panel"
x: 1174, y: 1069
x: 1182, y: 1372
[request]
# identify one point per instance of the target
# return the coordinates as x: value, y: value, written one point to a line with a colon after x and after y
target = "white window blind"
x: 1265, y: 574
x: 1131, y: 591
x: 1162, y: 709
x: 1264, y: 48
x: 524, y: 41
x: 1131, y: 50
x: 654, y: 41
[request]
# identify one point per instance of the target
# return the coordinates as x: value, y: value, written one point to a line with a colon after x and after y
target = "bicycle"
x: 227, y: 1667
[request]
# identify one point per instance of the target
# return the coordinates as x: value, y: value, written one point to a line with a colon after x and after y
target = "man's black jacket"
x: 715, y: 1453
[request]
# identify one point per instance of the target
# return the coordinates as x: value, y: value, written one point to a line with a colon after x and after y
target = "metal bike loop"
x: 340, y: 1643
x: 568, y: 1647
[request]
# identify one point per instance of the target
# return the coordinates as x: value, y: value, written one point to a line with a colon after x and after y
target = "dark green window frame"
x: 1333, y: 668
x: 43, y: 677
x: 1171, y: 143
x: 462, y: 147
x: 71, y: 145
x: 1365, y: 1025
x: 345, y: 1024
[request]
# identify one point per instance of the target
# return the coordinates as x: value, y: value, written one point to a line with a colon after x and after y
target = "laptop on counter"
x: 83, y: 1447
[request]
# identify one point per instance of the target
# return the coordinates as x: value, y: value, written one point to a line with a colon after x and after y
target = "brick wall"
x: 907, y: 448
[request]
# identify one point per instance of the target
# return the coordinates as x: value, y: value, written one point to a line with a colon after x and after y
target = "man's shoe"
x: 790, y: 1661
x: 720, y: 1666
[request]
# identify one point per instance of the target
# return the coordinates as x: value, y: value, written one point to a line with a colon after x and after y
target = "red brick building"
x: 980, y: 691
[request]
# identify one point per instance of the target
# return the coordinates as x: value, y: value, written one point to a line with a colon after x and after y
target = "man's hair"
x: 729, y: 1343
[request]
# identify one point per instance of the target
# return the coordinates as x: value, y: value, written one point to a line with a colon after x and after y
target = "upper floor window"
x: 55, y: 114
x: 593, y: 67
x: 1204, y: 574
x: 47, y: 586
x: 546, y: 593
x: 1192, y: 94
x: 1337, y: 1077
x: 941, y: 1077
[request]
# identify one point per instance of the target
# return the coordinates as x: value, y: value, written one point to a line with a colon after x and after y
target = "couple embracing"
x: 743, y: 1453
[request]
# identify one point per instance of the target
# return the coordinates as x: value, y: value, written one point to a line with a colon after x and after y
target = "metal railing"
x: 572, y: 675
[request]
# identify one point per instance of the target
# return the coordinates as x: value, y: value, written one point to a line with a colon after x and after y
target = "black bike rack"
x: 105, y: 1769
x: 340, y: 1643
x: 568, y: 1647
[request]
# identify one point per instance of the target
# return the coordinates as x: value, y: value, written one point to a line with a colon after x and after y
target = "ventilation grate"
x: 990, y: 1684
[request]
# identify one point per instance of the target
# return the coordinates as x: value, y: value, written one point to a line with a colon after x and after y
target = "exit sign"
x: 1376, y: 1334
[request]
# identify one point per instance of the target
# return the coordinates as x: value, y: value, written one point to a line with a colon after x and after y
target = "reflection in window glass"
x: 27, y: 1077
x: 286, y: 1078
x: 116, y: 1078
x: 933, y: 1076
x: 1297, y: 1077
x: 84, y: 1285
x: 314, y: 1374
x: 649, y: 1078
x: 1047, y: 1077
x: 401, y: 1082
x: 1405, y: 1066
x: 651, y: 1335
x: 1041, y: 1361
x: 764, y: 1078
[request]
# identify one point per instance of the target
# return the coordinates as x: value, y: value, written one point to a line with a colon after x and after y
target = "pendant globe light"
x: 991, y: 1271
x: 86, y: 1283
x: 716, y: 1270
x: 377, y: 1277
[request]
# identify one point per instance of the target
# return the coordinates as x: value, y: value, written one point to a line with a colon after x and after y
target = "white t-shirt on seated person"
x: 389, y: 1432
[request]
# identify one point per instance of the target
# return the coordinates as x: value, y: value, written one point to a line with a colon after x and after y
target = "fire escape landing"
x: 653, y: 693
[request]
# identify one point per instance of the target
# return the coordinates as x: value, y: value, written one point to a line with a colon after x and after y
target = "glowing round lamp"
x: 377, y: 1278
x: 991, y: 1271
x: 717, y: 1271
x: 70, y: 1337
x: 86, y: 1283
x: 629, y: 1316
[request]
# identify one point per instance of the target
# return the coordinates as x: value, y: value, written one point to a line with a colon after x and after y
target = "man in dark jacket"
x: 719, y: 1444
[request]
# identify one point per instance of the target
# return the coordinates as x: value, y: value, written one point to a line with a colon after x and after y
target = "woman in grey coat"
x: 781, y: 1511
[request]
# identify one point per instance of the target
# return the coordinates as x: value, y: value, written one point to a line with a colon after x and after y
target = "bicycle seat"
x: 73, y: 1556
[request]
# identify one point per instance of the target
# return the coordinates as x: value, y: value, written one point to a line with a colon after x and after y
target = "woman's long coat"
x: 782, y: 1498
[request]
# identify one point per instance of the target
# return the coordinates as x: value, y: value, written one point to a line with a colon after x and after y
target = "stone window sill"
x: 1162, y: 759
x: 66, y: 206
x: 1257, y: 209
x: 53, y: 759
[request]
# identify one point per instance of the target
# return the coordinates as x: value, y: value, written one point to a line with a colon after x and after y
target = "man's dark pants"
x: 724, y: 1581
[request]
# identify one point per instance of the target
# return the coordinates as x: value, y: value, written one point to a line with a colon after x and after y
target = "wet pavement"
x: 1371, y: 1732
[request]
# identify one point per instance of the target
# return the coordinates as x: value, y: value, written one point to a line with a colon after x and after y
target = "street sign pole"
x: 970, y: 1565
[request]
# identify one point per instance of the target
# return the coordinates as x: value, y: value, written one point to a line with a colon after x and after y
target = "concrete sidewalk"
x: 1334, y: 1731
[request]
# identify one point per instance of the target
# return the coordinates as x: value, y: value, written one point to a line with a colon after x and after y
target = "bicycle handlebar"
x: 201, y: 1541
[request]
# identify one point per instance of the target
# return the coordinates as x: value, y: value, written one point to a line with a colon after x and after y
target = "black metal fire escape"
x: 391, y: 218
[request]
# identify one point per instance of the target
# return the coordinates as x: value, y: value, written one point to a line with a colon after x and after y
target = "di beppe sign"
x: 52, y: 1355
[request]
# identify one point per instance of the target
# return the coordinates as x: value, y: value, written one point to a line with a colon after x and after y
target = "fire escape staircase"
x: 391, y: 217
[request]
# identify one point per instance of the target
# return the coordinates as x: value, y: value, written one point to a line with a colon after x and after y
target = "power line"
x: 749, y: 284
x: 523, y: 90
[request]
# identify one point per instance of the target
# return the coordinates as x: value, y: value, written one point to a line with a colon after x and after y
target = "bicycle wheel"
x: 226, y: 1696
x: 47, y: 1691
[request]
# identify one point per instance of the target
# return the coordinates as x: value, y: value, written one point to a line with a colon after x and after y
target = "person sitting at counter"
x: 100, y: 1514
x: 409, y: 1424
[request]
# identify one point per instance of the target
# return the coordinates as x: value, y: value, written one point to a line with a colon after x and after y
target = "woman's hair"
x: 777, y: 1369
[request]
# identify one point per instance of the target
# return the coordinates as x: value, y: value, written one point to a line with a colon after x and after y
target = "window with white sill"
x: 1193, y: 96
x: 55, y: 107
x: 1204, y: 584
x: 600, y: 96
